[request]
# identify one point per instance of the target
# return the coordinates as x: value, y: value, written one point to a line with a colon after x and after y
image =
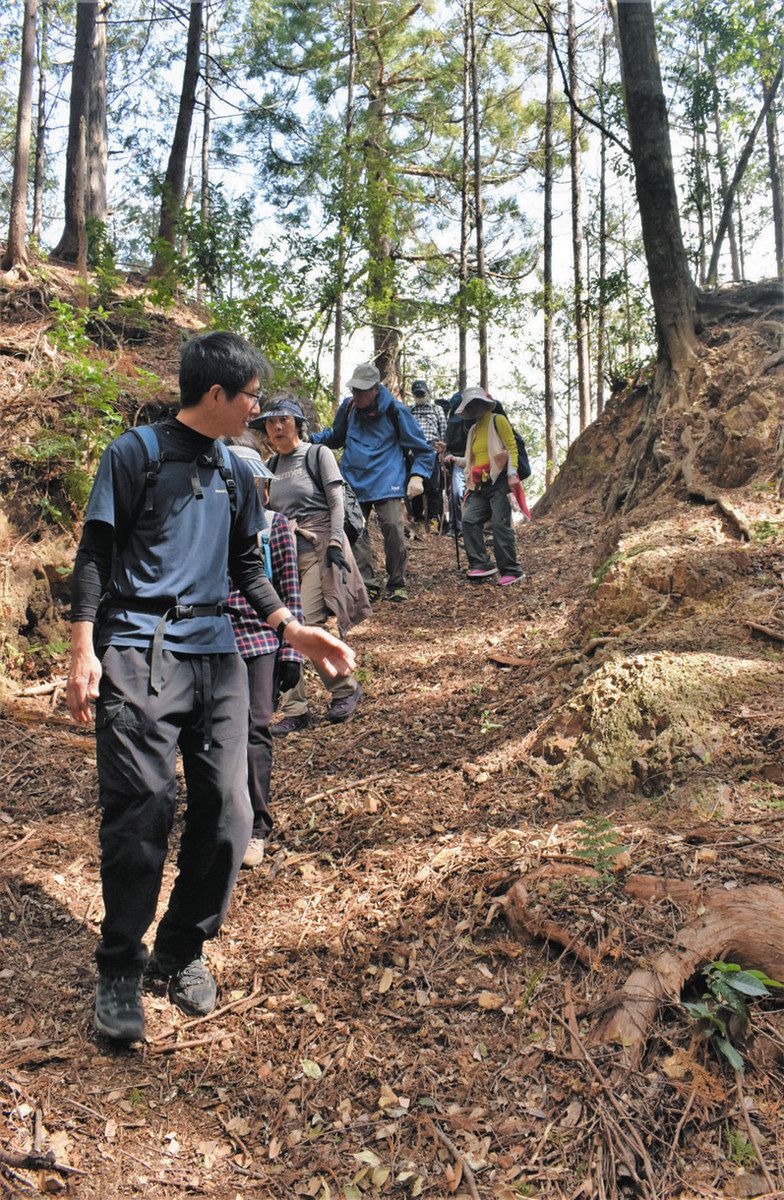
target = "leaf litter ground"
x: 380, y: 1030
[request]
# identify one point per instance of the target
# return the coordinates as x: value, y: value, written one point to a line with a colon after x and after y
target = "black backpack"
x: 457, y: 435
x: 353, y: 518
x: 147, y: 438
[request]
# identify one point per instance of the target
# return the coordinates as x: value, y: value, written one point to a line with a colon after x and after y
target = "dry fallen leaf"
x: 490, y: 1000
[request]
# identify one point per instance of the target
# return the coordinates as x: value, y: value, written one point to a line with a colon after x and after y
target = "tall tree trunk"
x: 672, y: 288
x: 380, y: 229
x: 770, y: 96
x: 600, y: 303
x: 721, y: 155
x: 204, y: 194
x: 699, y: 184
x: 465, y: 209
x: 97, y: 136
x: 16, y: 250
x: 478, y: 211
x: 75, y: 166
x: 575, y: 153
x: 551, y: 445
x: 776, y: 185
x: 174, y: 179
x: 345, y: 179
x: 40, y: 128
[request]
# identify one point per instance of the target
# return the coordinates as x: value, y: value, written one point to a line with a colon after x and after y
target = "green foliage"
x: 61, y: 461
x: 598, y: 845
x: 620, y: 556
x: 767, y: 531
x: 723, y: 1011
x: 742, y: 1152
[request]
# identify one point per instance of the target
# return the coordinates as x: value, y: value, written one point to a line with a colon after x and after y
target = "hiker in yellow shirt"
x: 490, y: 464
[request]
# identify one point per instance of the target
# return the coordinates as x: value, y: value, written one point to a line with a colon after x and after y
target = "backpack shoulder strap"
x: 227, y: 475
x: 313, y: 466
x: 147, y: 437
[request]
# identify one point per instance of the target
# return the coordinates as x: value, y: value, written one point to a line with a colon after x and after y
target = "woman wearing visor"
x: 309, y: 491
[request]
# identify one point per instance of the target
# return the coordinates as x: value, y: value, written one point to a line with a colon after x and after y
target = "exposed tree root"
x: 744, y: 926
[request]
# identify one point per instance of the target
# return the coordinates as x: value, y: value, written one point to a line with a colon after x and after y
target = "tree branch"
x: 573, y: 103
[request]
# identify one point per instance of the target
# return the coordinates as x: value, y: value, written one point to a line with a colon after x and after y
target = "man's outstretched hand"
x: 325, y: 651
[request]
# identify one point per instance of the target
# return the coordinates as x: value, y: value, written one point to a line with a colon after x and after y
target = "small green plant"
x: 598, y: 844
x: 766, y: 531
x: 723, y: 1011
x: 742, y: 1153
x: 486, y: 722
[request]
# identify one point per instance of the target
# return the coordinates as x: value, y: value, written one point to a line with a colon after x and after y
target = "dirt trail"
x: 378, y: 1022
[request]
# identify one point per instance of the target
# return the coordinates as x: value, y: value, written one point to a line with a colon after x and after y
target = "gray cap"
x: 473, y: 393
x: 367, y: 375
x: 419, y: 388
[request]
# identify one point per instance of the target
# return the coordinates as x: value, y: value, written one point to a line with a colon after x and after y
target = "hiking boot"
x: 290, y: 725
x: 341, y: 710
x: 482, y: 572
x: 254, y: 855
x: 505, y: 580
x: 118, y: 1007
x: 397, y: 595
x: 374, y: 592
x: 192, y: 987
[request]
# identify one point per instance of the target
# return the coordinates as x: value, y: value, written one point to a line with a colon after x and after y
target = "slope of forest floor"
x: 389, y: 1022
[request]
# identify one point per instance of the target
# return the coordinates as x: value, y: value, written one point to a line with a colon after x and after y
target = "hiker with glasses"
x: 377, y: 433
x: 307, y: 487
x: 171, y: 514
x: 492, y: 485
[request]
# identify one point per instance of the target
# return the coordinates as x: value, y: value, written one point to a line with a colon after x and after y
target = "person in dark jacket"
x: 375, y: 431
x: 151, y: 641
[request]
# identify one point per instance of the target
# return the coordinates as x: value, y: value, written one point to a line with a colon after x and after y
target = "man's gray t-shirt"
x: 294, y: 493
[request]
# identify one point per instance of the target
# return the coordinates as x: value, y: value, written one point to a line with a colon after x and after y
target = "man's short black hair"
x: 223, y: 358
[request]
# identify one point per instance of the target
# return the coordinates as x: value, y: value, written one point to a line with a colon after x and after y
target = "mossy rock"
x: 648, y: 717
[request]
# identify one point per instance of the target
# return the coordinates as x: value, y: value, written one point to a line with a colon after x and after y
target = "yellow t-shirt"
x: 479, y: 451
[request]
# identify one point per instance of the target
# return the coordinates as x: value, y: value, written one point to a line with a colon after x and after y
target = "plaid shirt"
x: 254, y: 637
x: 432, y: 421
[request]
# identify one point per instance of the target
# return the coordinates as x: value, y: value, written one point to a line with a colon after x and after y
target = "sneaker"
x: 290, y: 725
x: 397, y: 595
x: 192, y: 987
x: 505, y: 580
x: 341, y: 710
x: 374, y: 592
x: 481, y: 572
x: 254, y: 855
x: 118, y: 1007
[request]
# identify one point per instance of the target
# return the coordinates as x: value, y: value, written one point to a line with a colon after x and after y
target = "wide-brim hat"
x: 473, y: 393
x: 366, y: 375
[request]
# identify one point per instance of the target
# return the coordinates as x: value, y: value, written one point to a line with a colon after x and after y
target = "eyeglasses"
x: 257, y: 396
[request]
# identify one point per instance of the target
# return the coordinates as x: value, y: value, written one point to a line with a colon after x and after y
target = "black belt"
x: 169, y: 611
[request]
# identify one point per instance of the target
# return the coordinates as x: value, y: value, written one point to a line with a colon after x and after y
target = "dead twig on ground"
x: 459, y: 1157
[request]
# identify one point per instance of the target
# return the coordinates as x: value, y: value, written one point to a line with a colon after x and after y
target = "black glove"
x: 335, y: 558
x: 288, y: 674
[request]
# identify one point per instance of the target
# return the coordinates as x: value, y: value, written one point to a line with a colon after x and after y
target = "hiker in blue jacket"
x: 375, y: 432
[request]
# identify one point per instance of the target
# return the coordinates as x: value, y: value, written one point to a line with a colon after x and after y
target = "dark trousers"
x: 203, y: 701
x: 261, y: 684
x: 490, y: 502
x: 430, y: 505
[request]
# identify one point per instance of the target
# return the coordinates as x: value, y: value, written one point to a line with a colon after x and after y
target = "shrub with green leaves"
x: 62, y: 460
x: 723, y: 1011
